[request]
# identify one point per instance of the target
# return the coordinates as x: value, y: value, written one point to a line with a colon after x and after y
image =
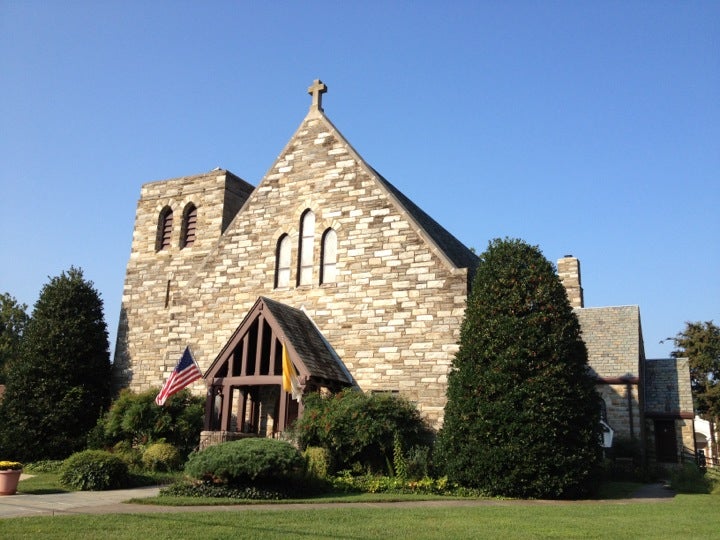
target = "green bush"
x: 317, y: 462
x: 257, y: 461
x: 202, y: 489
x: 521, y: 418
x: 689, y: 479
x: 137, y: 420
x: 94, y: 470
x: 161, y: 456
x: 129, y: 454
x: 52, y: 466
x: 359, y: 429
x: 369, y: 483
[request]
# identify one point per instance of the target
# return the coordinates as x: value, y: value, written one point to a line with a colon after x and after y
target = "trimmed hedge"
x: 245, y: 462
x: 94, y: 470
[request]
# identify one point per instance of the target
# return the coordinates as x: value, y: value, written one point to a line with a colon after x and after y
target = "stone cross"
x: 317, y: 89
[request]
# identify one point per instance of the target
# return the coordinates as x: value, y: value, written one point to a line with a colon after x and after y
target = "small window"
x: 307, y: 239
x: 282, y: 262
x: 328, y: 257
x: 189, y: 226
x: 165, y: 224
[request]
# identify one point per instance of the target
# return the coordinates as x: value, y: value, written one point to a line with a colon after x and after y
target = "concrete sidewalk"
x: 74, y: 502
x: 113, y: 502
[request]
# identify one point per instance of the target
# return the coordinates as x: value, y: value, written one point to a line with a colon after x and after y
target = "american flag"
x: 184, y: 373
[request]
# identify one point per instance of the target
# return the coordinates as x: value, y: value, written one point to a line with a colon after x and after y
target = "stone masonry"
x: 393, y: 315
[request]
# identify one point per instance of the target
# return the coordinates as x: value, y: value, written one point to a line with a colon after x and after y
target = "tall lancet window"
x: 164, y: 232
x: 307, y: 238
x: 282, y: 262
x: 189, y: 225
x: 328, y: 257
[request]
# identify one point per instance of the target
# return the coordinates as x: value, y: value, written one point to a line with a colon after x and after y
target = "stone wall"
x: 613, y: 339
x: 667, y: 386
x: 622, y: 402
x: 148, y: 344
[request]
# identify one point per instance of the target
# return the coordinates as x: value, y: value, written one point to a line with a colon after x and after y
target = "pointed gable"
x: 253, y: 353
x: 330, y: 144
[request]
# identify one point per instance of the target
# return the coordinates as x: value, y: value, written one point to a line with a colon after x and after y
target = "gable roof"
x: 312, y: 348
x: 451, y: 249
x: 309, y: 352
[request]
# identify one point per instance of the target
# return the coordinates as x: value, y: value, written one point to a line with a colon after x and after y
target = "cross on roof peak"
x: 316, y: 90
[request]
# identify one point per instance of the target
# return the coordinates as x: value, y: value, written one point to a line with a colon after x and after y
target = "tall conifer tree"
x: 60, y: 383
x: 522, y: 417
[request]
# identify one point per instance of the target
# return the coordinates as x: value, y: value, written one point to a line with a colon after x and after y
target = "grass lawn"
x: 685, y: 516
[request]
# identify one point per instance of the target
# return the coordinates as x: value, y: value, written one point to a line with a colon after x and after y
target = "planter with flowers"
x: 10, y: 472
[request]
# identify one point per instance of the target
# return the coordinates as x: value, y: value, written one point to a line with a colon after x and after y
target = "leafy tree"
x: 700, y: 343
x: 60, y: 383
x: 137, y: 420
x: 13, y: 319
x: 522, y: 413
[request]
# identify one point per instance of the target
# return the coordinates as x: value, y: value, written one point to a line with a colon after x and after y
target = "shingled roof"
x: 313, y: 350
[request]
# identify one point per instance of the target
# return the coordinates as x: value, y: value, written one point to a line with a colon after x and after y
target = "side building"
x: 645, y: 402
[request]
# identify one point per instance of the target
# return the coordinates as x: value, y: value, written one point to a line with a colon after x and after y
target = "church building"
x: 326, y: 273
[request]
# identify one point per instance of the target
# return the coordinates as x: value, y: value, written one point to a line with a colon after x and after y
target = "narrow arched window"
x: 189, y: 226
x: 328, y: 257
x: 282, y: 262
x: 164, y: 232
x: 307, y: 238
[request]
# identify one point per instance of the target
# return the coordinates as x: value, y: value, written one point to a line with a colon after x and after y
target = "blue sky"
x: 587, y: 128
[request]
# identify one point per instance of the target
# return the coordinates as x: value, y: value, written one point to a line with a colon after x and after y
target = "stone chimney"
x: 569, y: 272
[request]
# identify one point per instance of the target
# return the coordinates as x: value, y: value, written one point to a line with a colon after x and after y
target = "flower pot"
x: 9, y: 481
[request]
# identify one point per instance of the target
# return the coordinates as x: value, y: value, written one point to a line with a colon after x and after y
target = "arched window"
x: 189, y: 226
x: 164, y: 232
x: 328, y: 257
x: 282, y: 262
x: 307, y: 238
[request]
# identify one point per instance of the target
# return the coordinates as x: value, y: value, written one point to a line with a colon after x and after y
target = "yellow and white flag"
x: 290, y: 381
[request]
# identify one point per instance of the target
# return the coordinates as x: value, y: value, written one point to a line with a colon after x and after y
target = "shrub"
x: 202, y: 489
x: 417, y: 462
x: 137, y: 420
x: 521, y: 418
x: 317, y: 461
x: 368, y: 483
x: 359, y: 429
x: 52, y: 466
x: 161, y: 456
x: 94, y: 470
x: 689, y: 479
x: 246, y: 461
x: 129, y: 454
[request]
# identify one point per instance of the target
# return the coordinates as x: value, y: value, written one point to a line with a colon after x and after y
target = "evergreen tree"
x: 522, y: 417
x: 13, y: 319
x: 60, y: 383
